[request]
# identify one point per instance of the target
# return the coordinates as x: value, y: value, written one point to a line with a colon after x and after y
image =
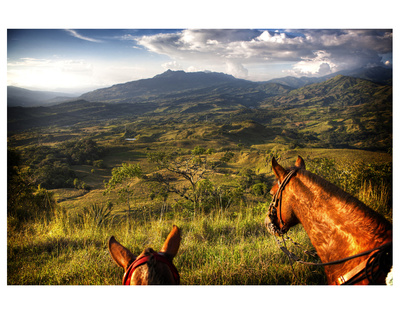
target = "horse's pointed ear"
x: 300, y: 163
x: 279, y: 171
x: 171, y: 244
x: 120, y: 254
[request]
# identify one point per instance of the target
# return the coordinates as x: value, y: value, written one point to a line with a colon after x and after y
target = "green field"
x: 57, y: 235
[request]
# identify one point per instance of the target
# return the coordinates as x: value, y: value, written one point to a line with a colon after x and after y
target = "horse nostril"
x: 271, y: 228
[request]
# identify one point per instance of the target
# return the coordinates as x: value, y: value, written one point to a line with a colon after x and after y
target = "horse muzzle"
x: 271, y: 227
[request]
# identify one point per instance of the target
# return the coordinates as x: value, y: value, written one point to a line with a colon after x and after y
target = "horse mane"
x: 352, y: 207
x: 328, y: 186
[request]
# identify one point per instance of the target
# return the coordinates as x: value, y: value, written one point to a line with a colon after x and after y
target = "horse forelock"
x: 153, y: 272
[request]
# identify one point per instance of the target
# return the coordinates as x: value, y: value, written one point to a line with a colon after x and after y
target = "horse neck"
x: 337, y: 224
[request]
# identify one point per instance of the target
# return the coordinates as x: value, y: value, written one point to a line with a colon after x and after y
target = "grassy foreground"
x: 230, y: 248
x: 68, y: 245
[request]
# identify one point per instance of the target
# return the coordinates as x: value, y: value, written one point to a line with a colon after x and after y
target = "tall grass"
x: 377, y: 197
x: 229, y: 247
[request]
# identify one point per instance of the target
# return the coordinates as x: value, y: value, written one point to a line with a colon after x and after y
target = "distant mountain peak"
x: 378, y: 74
x: 165, y: 83
x: 169, y: 73
x: 197, y: 74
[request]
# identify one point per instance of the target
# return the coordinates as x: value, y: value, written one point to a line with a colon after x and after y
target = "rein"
x: 126, y: 280
x: 368, y: 269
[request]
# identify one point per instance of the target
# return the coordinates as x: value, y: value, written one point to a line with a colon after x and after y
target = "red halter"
x: 126, y: 280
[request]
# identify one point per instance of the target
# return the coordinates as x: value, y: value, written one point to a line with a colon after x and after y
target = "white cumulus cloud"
x: 173, y: 65
x: 236, y: 69
x: 320, y: 64
x: 309, y: 52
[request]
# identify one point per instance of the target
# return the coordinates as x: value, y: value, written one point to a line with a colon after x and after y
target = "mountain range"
x: 188, y: 85
x: 23, y: 97
x: 211, y: 94
x: 378, y: 75
x: 341, y: 111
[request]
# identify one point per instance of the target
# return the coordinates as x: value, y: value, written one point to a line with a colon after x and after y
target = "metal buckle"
x: 341, y: 280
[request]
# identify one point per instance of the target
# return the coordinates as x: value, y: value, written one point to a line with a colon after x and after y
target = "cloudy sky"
x: 78, y: 60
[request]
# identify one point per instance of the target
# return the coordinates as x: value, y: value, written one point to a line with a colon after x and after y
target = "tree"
x: 192, y: 169
x: 250, y: 178
x: 25, y: 200
x: 227, y: 195
x: 56, y: 175
x: 159, y: 187
x: 81, y: 152
x: 121, y: 177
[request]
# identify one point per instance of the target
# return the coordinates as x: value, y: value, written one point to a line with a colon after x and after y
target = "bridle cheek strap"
x: 126, y: 280
x: 276, y: 199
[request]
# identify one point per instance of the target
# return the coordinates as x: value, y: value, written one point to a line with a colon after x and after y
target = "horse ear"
x: 300, y: 163
x: 171, y: 244
x: 120, y: 254
x: 279, y: 171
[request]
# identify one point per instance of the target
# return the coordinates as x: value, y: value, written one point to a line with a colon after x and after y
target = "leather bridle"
x: 160, y: 257
x: 277, y: 202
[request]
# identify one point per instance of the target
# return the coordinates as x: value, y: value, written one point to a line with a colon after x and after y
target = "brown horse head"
x: 338, y: 225
x: 279, y: 220
x: 150, y: 267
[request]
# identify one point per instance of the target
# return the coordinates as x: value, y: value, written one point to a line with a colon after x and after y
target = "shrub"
x: 99, y: 163
x: 198, y: 150
x: 79, y: 184
x: 227, y: 156
x: 259, y: 189
x: 97, y: 215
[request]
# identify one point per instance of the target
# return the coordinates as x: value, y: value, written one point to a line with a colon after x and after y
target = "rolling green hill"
x: 344, y: 90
